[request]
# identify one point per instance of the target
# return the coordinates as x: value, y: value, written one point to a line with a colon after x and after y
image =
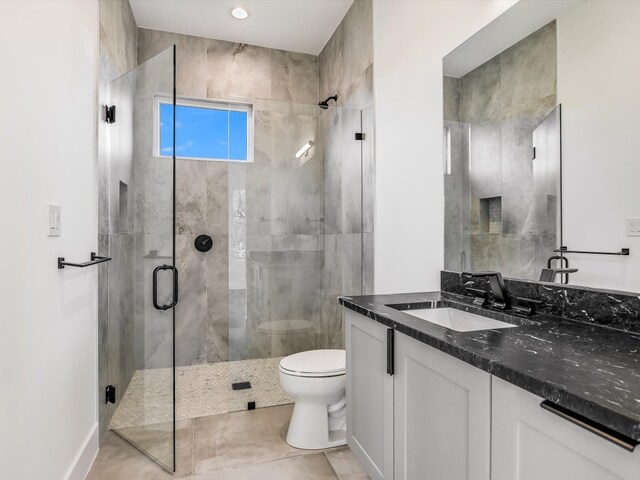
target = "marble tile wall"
x: 117, y: 55
x: 451, y: 94
x: 217, y: 69
x: 283, y: 202
x: 346, y: 69
x: 153, y: 219
x: 503, y: 100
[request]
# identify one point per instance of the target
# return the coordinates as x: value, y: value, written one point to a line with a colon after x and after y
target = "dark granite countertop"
x: 588, y: 369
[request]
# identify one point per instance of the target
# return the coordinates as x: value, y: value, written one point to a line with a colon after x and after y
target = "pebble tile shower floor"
x: 201, y: 390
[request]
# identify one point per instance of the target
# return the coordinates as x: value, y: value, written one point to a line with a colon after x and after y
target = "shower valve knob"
x: 203, y: 243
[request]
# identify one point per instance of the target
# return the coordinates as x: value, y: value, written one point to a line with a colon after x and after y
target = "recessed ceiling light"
x: 239, y: 13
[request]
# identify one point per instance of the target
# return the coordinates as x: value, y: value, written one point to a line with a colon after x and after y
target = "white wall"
x: 598, y: 78
x: 410, y: 40
x: 48, y: 317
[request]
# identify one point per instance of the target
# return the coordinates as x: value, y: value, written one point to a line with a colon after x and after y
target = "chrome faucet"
x: 498, y: 288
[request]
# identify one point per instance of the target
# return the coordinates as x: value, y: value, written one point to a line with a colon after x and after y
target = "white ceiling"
x: 296, y: 25
x: 521, y: 20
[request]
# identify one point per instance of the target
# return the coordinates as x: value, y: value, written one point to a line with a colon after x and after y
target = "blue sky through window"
x: 204, y: 132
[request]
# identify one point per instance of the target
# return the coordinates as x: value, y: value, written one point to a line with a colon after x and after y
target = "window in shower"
x: 205, y: 130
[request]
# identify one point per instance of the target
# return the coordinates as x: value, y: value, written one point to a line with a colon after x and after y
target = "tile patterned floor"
x: 242, y: 445
x: 201, y: 390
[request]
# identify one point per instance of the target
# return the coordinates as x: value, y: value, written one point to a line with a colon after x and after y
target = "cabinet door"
x: 442, y: 415
x: 530, y: 443
x: 369, y: 396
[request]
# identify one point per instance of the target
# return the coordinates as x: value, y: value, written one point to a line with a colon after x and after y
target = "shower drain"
x: 241, y: 385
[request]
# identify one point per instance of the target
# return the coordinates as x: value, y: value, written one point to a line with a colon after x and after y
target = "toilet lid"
x: 315, y: 363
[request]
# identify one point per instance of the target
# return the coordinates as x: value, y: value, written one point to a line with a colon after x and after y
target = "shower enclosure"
x: 222, y: 266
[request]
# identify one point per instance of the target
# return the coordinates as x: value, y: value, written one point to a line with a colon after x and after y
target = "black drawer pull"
x: 593, y: 427
x: 390, y: 352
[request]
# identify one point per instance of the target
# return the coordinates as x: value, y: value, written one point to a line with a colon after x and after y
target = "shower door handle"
x: 155, y: 287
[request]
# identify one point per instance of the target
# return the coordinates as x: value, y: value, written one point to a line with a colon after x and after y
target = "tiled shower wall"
x: 346, y: 69
x: 118, y: 38
x: 502, y: 102
x: 284, y: 89
x: 308, y: 262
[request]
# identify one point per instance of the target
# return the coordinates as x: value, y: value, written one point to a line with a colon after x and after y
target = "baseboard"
x: 85, y: 457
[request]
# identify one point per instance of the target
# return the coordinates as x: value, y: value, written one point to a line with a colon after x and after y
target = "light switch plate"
x: 633, y: 227
x: 55, y: 220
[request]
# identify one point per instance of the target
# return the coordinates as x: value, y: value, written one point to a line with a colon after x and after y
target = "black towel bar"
x: 95, y: 259
x: 623, y: 251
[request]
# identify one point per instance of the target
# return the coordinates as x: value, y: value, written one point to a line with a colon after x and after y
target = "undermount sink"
x: 458, y: 320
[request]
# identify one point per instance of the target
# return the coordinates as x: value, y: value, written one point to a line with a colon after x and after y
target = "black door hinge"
x: 110, y: 114
x: 533, y: 153
x: 360, y: 136
x: 110, y: 394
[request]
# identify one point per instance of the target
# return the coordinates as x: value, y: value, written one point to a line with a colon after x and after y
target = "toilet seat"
x: 315, y: 363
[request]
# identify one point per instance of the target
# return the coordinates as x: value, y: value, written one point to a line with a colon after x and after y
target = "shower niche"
x: 490, y: 215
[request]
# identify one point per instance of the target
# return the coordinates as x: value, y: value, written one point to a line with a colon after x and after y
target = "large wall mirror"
x: 541, y: 145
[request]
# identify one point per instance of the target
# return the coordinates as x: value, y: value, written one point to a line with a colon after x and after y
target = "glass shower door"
x: 547, y: 190
x: 275, y: 250
x: 143, y: 290
x: 296, y: 241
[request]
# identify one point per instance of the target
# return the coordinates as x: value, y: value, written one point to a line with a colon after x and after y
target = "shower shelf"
x: 154, y: 254
x: 95, y: 259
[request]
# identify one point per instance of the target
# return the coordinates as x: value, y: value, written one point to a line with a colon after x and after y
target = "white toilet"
x: 316, y: 382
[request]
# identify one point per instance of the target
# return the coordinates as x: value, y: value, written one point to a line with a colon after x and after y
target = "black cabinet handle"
x: 155, y: 287
x: 593, y: 427
x: 390, y: 352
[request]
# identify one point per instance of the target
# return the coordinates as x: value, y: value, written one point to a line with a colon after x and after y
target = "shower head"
x: 325, y: 103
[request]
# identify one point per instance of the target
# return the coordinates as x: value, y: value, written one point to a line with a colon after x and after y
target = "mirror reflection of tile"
x: 500, y: 203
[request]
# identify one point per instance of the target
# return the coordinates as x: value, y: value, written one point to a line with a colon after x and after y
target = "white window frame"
x: 203, y: 103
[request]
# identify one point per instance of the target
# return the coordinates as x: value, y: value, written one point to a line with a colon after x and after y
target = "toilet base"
x: 309, y: 428
x: 337, y: 438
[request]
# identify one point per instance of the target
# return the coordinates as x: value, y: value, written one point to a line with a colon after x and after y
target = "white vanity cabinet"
x: 369, y: 395
x: 438, y: 418
x: 442, y: 415
x: 530, y: 443
x: 430, y: 420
